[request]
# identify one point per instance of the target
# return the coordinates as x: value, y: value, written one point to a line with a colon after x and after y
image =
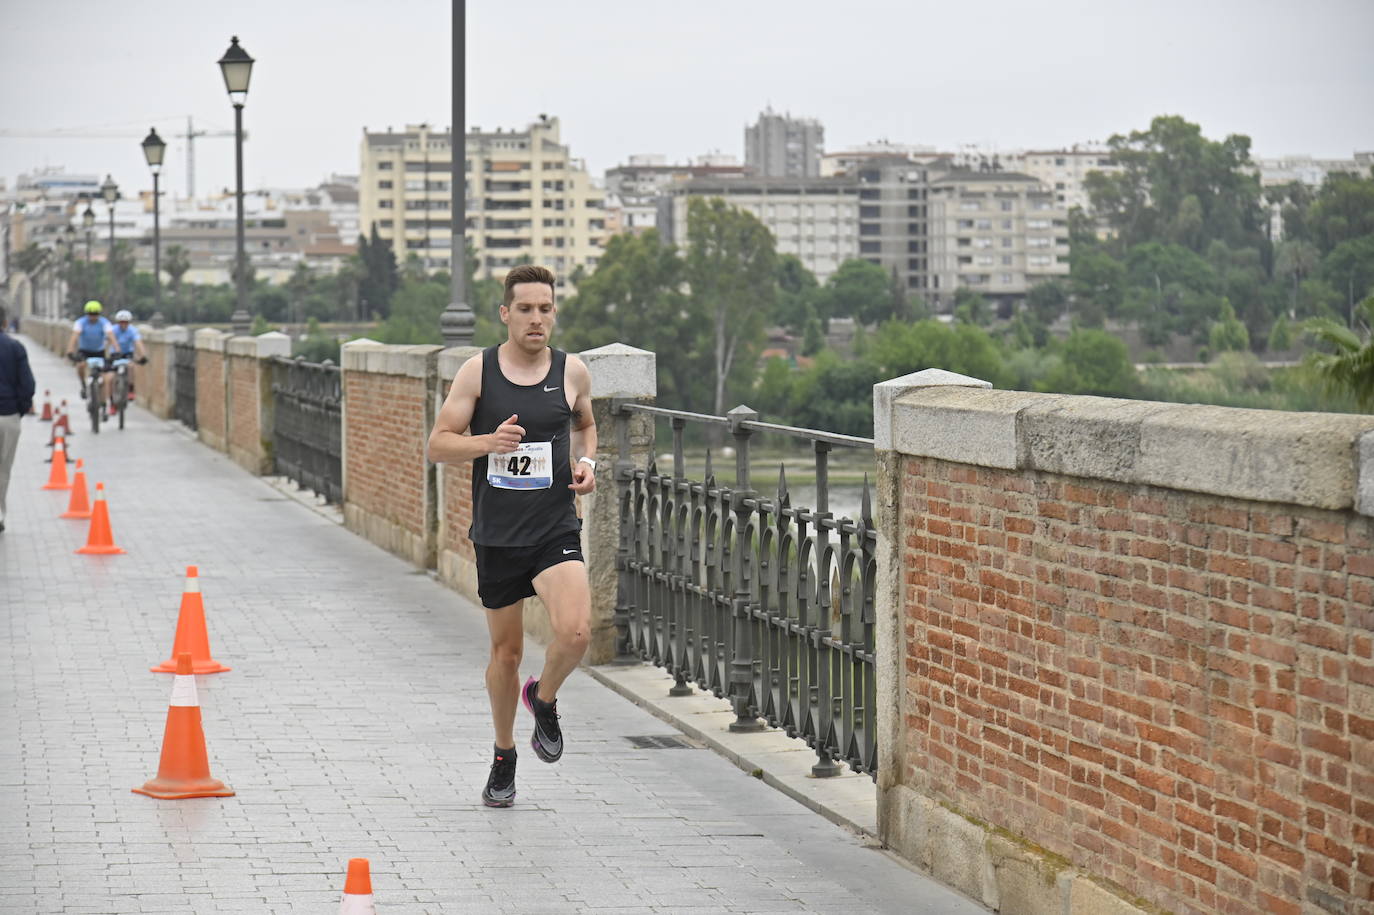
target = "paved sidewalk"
x: 354, y: 724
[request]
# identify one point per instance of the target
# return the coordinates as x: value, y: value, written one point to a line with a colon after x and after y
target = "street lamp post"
x: 456, y: 323
x: 110, y: 191
x: 153, y: 148
x: 87, y: 223
x: 237, y: 68
x: 69, y: 262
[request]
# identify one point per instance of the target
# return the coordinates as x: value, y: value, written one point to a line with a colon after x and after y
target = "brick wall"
x: 154, y: 379
x: 210, y: 415
x: 1169, y: 687
x: 1156, y: 685
x: 389, y: 490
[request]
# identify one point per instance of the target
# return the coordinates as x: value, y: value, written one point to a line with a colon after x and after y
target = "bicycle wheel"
x: 93, y: 402
x: 121, y: 395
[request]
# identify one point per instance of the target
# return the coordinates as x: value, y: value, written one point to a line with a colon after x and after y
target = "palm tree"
x: 1350, y: 368
x: 298, y: 287
x: 175, y: 264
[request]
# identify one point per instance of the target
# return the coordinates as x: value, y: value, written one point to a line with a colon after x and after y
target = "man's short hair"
x: 527, y: 273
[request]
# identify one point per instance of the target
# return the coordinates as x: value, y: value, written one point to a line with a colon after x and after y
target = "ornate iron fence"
x: 307, y: 429
x: 751, y: 598
x: 184, y: 379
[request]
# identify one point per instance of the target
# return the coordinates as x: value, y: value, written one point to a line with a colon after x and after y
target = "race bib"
x: 529, y: 466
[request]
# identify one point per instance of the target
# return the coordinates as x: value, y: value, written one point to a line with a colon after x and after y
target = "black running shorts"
x: 505, y: 574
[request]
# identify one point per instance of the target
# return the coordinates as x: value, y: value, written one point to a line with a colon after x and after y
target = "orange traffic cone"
x: 62, y: 421
x: 79, y: 505
x: 99, y: 540
x: 357, y: 894
x: 191, y: 637
x: 47, y: 407
x: 184, y: 770
x: 57, y: 475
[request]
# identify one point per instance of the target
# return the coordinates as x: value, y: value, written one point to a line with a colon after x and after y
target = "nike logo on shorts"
x: 566, y: 552
x: 547, y: 389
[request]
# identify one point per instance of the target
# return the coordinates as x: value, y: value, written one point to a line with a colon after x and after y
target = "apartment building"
x: 1063, y: 171
x: 815, y: 219
x: 527, y: 198
x: 635, y: 188
x: 781, y: 146
x: 997, y: 233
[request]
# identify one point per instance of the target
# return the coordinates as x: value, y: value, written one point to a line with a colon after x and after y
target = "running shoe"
x: 547, y: 739
x: 500, y: 789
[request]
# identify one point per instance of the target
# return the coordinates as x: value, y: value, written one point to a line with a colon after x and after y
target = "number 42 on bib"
x: 529, y: 466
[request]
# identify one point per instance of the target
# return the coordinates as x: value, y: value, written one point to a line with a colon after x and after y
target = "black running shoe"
x: 500, y: 789
x: 547, y: 739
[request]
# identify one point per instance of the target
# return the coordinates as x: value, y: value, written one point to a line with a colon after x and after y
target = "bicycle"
x: 119, y: 397
x: 95, y: 389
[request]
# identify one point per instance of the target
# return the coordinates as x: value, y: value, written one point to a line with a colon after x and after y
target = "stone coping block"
x: 272, y: 343
x: 175, y: 334
x: 884, y: 393
x: 619, y: 370
x: 364, y: 355
x: 211, y: 339
x: 452, y: 359
x: 1315, y: 459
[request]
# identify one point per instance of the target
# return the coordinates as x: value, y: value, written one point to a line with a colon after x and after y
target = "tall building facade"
x: 527, y: 198
x: 781, y: 146
x: 813, y: 218
x: 635, y: 188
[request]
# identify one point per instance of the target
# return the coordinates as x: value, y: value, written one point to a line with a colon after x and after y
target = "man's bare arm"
x: 583, y: 440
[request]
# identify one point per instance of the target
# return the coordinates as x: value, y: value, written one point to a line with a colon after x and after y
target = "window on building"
x: 384, y: 204
x: 965, y: 242
x: 1038, y: 260
x: 384, y: 185
x: 1006, y: 225
x: 970, y: 205
x: 384, y: 223
x: 869, y: 193
x: 984, y: 224
x: 913, y: 247
x: 384, y: 166
x: 1058, y: 160
x: 1006, y: 279
x: 1038, y: 241
x: 982, y: 243
x: 1006, y: 206
x: 1006, y: 260
x: 868, y: 212
x: 965, y: 260
x: 984, y: 260
x: 868, y: 228
x: 870, y: 247
x: 1037, y: 223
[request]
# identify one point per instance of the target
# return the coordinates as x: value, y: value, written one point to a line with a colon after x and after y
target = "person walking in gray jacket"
x: 16, y: 399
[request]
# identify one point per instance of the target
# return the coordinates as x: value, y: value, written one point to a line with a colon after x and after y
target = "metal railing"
x: 751, y: 598
x: 184, y: 379
x: 307, y: 426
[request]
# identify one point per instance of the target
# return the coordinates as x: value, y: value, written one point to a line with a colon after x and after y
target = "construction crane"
x: 84, y: 133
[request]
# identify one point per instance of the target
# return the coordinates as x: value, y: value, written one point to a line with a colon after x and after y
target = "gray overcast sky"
x: 680, y: 79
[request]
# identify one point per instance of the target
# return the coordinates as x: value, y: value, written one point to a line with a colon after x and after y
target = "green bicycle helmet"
x: 93, y: 307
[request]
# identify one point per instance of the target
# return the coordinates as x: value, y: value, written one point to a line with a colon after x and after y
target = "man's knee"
x: 575, y: 637
x: 506, y: 655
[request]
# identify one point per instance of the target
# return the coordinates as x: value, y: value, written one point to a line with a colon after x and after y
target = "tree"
x: 970, y: 307
x: 730, y: 270
x: 175, y: 263
x: 1349, y: 268
x: 1046, y: 301
x: 1227, y: 334
x: 1177, y: 186
x: 1092, y: 362
x: 1349, y: 368
x: 1343, y: 210
x: 298, y: 287
x: 859, y: 290
x: 1294, y: 260
x: 798, y: 293
x: 899, y: 349
x: 121, y: 270
x: 1098, y: 281
x: 380, y: 279
x: 635, y: 297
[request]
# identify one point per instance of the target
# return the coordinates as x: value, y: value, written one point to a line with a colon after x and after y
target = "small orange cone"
x: 184, y: 770
x: 61, y: 422
x: 99, y: 539
x: 192, y: 637
x: 357, y: 894
x: 79, y: 506
x: 57, y: 475
x: 47, y: 407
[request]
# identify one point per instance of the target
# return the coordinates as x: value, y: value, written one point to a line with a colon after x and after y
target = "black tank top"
x: 505, y: 517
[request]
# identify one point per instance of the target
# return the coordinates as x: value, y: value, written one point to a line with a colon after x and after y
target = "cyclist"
x: 95, y: 334
x: 129, y: 345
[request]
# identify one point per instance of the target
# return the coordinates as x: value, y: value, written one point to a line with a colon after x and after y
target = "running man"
x: 95, y: 333
x: 522, y: 413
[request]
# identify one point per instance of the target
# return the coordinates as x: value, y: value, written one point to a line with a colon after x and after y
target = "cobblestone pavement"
x: 354, y: 724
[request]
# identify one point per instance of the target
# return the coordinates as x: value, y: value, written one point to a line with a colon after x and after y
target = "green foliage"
x: 798, y: 294
x: 379, y: 280
x: 1343, y: 210
x: 730, y: 270
x: 1226, y: 333
x: 635, y: 297
x: 900, y: 349
x: 1281, y: 335
x: 414, y: 317
x: 970, y: 307
x: 858, y: 289
x: 260, y: 326
x: 317, y: 345
x: 1092, y: 362
x: 1348, y: 368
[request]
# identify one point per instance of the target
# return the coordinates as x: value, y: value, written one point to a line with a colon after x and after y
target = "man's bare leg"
x: 503, y: 670
x: 567, y: 595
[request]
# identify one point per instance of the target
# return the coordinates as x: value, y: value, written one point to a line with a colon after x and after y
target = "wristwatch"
x: 588, y: 461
